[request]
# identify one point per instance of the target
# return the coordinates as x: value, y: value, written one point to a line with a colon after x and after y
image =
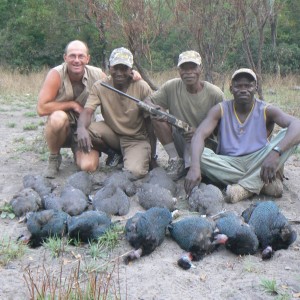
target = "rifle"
x: 153, y: 111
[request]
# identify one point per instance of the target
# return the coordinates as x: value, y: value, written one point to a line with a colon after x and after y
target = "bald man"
x: 62, y: 98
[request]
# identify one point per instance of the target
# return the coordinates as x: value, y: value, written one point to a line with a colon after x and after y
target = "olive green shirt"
x: 120, y: 113
x: 191, y: 108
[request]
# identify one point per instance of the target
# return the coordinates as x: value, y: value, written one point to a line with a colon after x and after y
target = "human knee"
x: 57, y: 120
x: 87, y: 162
x: 87, y: 166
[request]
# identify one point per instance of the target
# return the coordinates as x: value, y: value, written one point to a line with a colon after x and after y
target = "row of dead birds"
x: 261, y: 226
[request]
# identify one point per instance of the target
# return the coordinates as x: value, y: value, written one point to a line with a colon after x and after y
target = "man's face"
x: 189, y: 73
x: 243, y: 89
x: 120, y: 74
x: 76, y: 58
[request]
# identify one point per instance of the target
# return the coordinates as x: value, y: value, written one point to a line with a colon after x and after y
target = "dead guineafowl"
x: 88, y: 226
x: 52, y: 201
x: 159, y: 176
x: 40, y: 184
x: 73, y: 201
x: 206, y: 199
x: 195, y: 235
x: 235, y: 234
x: 111, y: 200
x: 123, y: 180
x: 82, y: 181
x: 45, y: 224
x: 271, y: 227
x: 150, y: 195
x: 145, y: 231
x: 25, y: 201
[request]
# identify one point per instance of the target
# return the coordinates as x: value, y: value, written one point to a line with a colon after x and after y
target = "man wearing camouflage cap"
x: 189, y: 99
x: 125, y: 128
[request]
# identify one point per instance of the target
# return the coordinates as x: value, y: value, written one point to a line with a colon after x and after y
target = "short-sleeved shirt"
x: 65, y: 93
x: 120, y: 113
x: 191, y: 108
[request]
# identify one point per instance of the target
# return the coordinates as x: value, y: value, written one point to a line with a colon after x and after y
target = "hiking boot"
x: 274, y: 189
x: 113, y: 158
x: 54, y: 162
x: 176, y: 168
x: 236, y: 193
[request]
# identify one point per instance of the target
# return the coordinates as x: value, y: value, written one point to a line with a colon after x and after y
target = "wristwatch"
x: 278, y: 150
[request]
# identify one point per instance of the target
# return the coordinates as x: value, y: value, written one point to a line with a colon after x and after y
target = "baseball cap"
x: 189, y: 56
x: 244, y: 71
x: 121, y: 56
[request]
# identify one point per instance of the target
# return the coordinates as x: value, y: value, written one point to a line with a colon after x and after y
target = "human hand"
x: 84, y: 140
x: 189, y: 134
x: 77, y: 107
x: 136, y: 75
x: 192, y: 179
x: 269, y: 167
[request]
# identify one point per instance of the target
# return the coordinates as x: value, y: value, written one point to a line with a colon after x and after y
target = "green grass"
x: 30, y: 114
x: 30, y: 126
x: 270, y: 286
x: 10, y: 250
x: 56, y: 245
x: 11, y: 125
x: 110, y: 239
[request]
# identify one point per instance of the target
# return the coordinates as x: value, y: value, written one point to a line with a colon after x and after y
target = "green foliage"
x: 110, y: 238
x: 30, y: 126
x: 270, y: 286
x: 7, y: 211
x: 56, y: 245
x: 11, y: 125
x: 10, y: 250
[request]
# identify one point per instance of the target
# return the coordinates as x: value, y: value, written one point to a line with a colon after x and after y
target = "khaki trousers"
x: 136, y: 150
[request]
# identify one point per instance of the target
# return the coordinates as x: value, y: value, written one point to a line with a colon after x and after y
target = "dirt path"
x: 221, y: 275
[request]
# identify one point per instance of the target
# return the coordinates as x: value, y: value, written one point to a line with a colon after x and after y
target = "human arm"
x: 292, y: 137
x: 47, y: 96
x: 83, y: 136
x: 204, y: 130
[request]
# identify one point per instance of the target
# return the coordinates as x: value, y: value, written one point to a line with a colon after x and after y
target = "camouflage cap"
x: 189, y: 56
x: 121, y: 56
x: 244, y: 71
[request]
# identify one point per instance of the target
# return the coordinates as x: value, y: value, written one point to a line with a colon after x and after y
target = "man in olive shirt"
x: 125, y: 127
x: 189, y: 99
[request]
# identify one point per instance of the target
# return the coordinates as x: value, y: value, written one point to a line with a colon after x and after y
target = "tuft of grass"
x: 10, y: 250
x: 30, y: 114
x: 56, y: 245
x: 270, y: 286
x: 30, y: 126
x: 110, y: 239
x: 11, y: 125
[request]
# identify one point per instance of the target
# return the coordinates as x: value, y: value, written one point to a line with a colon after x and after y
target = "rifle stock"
x: 153, y: 111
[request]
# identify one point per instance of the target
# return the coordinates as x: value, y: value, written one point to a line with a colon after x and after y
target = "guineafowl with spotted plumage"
x: 150, y: 195
x: 237, y: 236
x: 194, y: 234
x: 45, y: 224
x: 271, y: 227
x: 145, y: 231
x: 88, y: 226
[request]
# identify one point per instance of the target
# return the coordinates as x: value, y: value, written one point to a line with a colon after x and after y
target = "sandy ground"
x: 221, y: 275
